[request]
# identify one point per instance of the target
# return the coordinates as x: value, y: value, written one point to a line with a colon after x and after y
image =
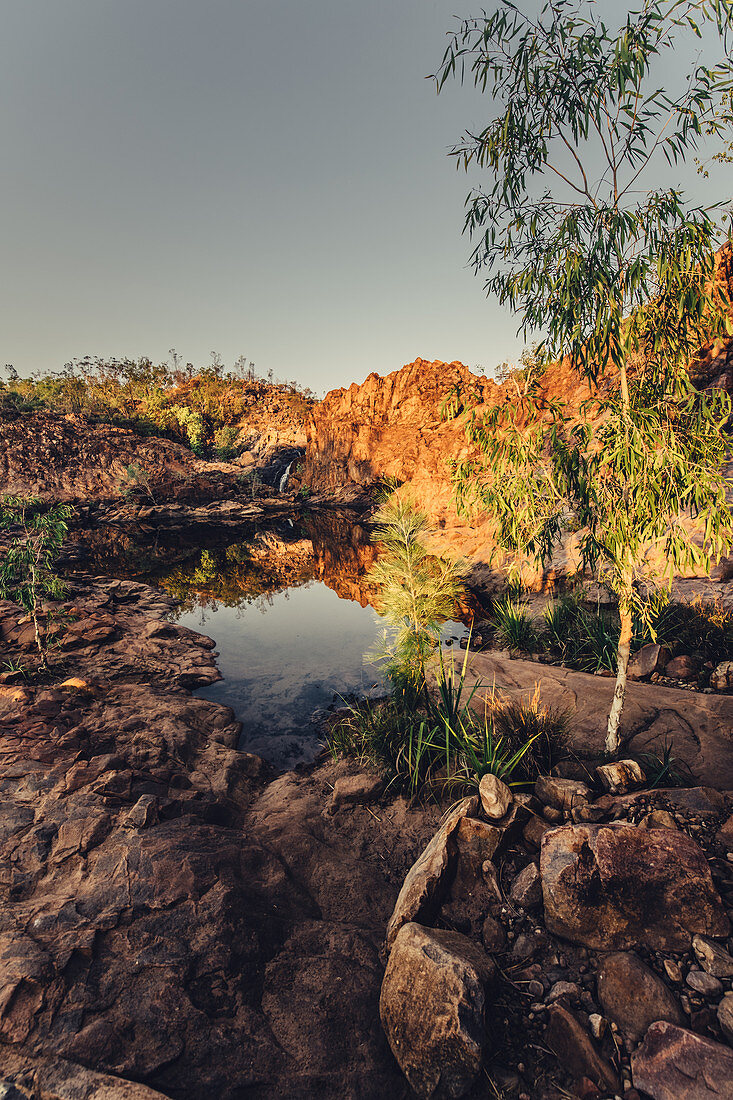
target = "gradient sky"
x: 257, y: 177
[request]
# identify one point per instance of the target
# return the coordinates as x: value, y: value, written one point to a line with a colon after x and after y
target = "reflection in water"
x: 285, y: 656
x: 289, y: 611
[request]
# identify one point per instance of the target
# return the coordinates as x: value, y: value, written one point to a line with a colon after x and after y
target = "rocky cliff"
x: 393, y: 427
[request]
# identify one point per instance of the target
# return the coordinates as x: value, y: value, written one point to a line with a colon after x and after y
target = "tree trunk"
x: 624, y: 649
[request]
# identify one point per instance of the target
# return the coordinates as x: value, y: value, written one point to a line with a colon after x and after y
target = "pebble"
x: 672, y: 970
x: 712, y: 957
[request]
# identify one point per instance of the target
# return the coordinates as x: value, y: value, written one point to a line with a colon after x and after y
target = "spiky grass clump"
x: 582, y: 639
x: 542, y: 732
x: 514, y: 625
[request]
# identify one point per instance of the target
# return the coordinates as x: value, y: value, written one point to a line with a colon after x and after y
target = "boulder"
x: 633, y: 996
x: 535, y: 829
x: 616, y: 887
x: 428, y: 879
x: 675, y: 1064
x: 350, y: 790
x: 496, y: 798
x: 713, y: 958
x: 563, y: 794
x: 725, y: 1016
x: 705, y: 984
x: 646, y: 661
x: 575, y: 1050
x: 476, y: 841
x: 432, y: 1009
x: 658, y: 819
x: 493, y: 935
x: 722, y: 677
x: 725, y: 833
x: 526, y: 889
x: 621, y: 776
x: 683, y: 667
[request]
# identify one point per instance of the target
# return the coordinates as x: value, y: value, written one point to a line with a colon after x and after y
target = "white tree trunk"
x: 624, y: 650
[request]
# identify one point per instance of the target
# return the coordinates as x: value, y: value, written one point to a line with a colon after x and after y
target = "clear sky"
x: 257, y: 177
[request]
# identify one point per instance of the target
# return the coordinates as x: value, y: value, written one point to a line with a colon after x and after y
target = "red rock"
x: 633, y: 996
x: 683, y: 667
x: 616, y: 886
x: 647, y: 660
x: 575, y: 1050
x: 675, y: 1064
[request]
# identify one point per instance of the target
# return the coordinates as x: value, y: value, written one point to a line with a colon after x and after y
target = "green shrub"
x: 540, y: 732
x: 27, y: 568
x: 581, y: 639
x: 417, y: 592
x: 225, y: 439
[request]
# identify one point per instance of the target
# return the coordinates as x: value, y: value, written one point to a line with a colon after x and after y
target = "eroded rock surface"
x: 169, y: 914
x: 432, y: 1008
x: 676, y: 1064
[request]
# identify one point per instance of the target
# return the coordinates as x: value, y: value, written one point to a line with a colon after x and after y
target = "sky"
x: 266, y: 178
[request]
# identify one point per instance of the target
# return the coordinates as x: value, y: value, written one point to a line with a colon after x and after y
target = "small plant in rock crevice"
x: 27, y: 573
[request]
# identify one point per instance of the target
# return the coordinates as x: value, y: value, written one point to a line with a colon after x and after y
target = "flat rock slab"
x: 428, y: 879
x: 633, y: 996
x: 675, y: 1064
x: 616, y: 886
x: 701, y: 726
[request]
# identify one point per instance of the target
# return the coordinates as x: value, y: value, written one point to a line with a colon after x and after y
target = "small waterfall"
x: 284, y: 478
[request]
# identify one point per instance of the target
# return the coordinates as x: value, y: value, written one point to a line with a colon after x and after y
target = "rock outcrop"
x: 432, y: 1009
x: 169, y: 914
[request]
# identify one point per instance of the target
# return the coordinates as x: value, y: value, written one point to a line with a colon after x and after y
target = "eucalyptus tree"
x: 619, y: 280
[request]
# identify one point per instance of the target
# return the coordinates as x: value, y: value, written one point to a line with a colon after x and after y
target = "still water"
x: 284, y: 659
x: 289, y: 610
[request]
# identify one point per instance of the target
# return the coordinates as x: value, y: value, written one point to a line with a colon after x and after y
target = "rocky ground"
x: 172, y: 914
x: 568, y: 943
x: 178, y: 921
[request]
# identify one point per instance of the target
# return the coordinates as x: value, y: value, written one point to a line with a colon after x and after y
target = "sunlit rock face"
x: 394, y: 427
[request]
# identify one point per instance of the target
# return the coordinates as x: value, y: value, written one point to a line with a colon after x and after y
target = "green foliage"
x: 444, y: 744
x: 225, y: 440
x: 27, y: 573
x: 620, y: 281
x: 513, y: 625
x: 703, y: 628
x: 571, y: 249
x: 417, y: 591
x: 580, y: 638
x: 147, y: 398
x: 664, y: 769
x: 137, y: 481
x: 540, y: 733
x: 192, y: 423
x: 422, y: 754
